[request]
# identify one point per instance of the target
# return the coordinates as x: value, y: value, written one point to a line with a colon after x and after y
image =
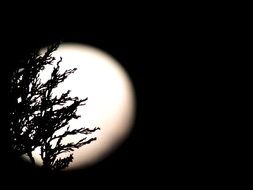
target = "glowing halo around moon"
x: 110, y: 104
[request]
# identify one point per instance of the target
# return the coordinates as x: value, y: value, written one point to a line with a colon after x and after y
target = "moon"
x: 110, y: 105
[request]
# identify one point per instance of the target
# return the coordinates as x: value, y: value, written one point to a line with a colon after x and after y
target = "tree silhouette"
x: 36, y: 116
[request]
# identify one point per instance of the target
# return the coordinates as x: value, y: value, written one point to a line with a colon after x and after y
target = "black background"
x: 168, y: 60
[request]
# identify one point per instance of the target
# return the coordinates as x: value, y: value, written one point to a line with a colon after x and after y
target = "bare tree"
x: 34, y: 118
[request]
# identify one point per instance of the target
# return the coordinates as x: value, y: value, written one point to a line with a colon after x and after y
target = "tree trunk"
x: 31, y: 157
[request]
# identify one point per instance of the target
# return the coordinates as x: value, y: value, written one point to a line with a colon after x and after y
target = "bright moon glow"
x: 110, y: 105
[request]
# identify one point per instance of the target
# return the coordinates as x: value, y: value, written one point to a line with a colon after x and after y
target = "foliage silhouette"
x: 34, y: 120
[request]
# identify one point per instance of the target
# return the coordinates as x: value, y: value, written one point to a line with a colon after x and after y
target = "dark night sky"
x: 168, y: 143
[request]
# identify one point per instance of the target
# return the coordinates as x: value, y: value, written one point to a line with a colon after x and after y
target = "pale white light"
x: 110, y: 105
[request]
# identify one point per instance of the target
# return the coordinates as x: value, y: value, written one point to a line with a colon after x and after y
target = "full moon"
x: 110, y: 105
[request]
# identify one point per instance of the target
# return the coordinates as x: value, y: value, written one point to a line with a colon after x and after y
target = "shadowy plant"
x: 34, y: 119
